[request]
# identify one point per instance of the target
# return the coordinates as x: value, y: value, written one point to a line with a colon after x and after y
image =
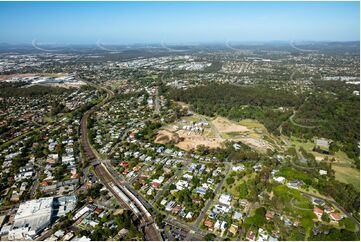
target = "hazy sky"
x: 177, y: 22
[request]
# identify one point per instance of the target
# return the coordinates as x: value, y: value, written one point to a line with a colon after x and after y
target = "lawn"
x: 347, y: 175
x: 287, y: 194
x: 235, y: 189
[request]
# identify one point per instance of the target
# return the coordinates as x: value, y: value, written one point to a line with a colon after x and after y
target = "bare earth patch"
x: 256, y: 143
x: 165, y: 137
x: 192, y: 140
x: 7, y: 77
x: 224, y: 125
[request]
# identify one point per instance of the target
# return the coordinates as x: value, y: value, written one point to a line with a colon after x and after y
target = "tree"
x: 209, y: 237
x: 230, y: 180
x: 258, y: 218
x: 325, y: 217
x: 348, y: 224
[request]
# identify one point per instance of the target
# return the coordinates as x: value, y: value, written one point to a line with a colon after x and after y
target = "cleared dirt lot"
x: 166, y: 136
x: 7, y: 77
x: 214, y: 135
x: 224, y: 125
x: 191, y: 141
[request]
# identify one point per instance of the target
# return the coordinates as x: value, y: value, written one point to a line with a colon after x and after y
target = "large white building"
x: 34, y: 216
x: 31, y: 217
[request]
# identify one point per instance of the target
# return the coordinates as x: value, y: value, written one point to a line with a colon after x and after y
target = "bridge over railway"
x: 119, y: 189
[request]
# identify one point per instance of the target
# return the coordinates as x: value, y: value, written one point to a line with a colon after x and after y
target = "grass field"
x: 234, y: 188
x: 252, y: 123
x: 347, y: 175
x: 54, y: 74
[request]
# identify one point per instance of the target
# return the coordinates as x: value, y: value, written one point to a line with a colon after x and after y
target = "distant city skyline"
x: 177, y: 22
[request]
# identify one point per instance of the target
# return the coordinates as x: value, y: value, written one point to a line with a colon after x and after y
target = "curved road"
x: 300, y: 125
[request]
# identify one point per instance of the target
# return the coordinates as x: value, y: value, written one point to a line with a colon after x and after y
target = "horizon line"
x: 174, y: 43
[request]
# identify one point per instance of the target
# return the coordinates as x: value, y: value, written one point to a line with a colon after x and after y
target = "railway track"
x: 121, y: 192
x: 128, y: 200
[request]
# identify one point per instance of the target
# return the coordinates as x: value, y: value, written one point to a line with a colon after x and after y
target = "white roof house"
x: 238, y: 168
x: 225, y: 199
x: 280, y: 179
x: 323, y: 172
x: 181, y: 184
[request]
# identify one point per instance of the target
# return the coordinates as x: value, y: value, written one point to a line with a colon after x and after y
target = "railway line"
x: 121, y: 192
x: 127, y: 199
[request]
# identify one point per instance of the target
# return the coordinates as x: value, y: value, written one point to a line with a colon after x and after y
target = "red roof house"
x: 251, y: 236
x: 209, y: 224
x: 155, y: 184
x: 335, y: 216
x: 318, y: 211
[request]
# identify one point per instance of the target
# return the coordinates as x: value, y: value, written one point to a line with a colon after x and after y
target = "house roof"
x: 209, y: 223
x: 155, y: 184
x: 269, y: 215
x: 176, y: 209
x: 233, y: 229
x: 98, y: 210
x: 250, y: 235
x: 317, y: 210
x: 336, y: 216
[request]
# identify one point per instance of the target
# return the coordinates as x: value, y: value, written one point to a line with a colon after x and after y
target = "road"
x: 156, y: 102
x: 35, y: 184
x: 300, y: 125
x: 170, y: 181
x: 194, y: 234
x: 209, y: 203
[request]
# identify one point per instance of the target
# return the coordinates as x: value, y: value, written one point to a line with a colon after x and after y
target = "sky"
x: 177, y: 22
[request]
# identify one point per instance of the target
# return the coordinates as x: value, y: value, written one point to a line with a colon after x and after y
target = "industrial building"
x: 34, y: 216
